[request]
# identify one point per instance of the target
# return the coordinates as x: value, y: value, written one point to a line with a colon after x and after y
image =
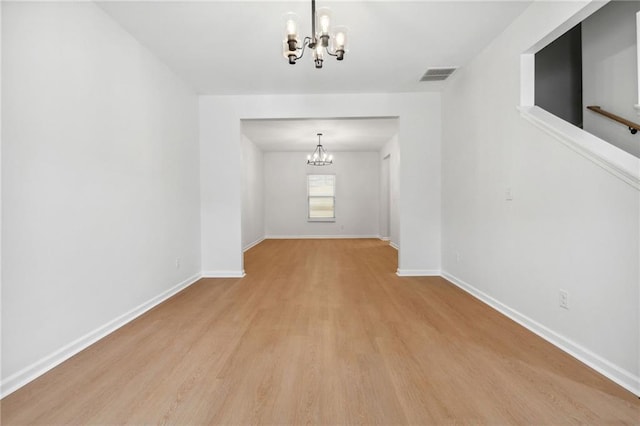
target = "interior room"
x: 274, y: 192
x: 320, y: 212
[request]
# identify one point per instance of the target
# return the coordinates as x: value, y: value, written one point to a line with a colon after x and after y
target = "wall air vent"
x: 438, y: 74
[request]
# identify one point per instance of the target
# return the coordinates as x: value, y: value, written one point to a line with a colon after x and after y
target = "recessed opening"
x: 594, y: 64
x: 558, y: 68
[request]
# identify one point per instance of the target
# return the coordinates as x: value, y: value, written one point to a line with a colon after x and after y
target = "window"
x: 321, y: 197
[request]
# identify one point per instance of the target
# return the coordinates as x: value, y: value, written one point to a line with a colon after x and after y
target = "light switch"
x: 508, y: 194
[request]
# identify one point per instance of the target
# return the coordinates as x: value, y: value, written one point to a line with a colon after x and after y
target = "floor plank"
x: 321, y: 332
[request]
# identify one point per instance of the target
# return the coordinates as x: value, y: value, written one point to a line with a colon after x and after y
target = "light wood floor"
x: 321, y: 332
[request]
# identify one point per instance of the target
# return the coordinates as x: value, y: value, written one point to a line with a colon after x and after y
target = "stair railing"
x: 633, y: 127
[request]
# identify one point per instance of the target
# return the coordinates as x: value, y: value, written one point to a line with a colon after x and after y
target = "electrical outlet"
x: 564, y: 299
x: 178, y: 263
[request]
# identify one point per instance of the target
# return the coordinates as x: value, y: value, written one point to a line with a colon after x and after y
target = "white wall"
x: 220, y: 189
x: 391, y: 152
x: 419, y: 178
x: 99, y: 182
x: 571, y: 225
x: 252, y: 194
x: 385, y: 197
x: 610, y: 77
x: 357, y: 192
x: 1, y: 209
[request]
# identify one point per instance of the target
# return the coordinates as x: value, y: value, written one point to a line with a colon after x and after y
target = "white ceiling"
x: 352, y: 134
x: 235, y: 47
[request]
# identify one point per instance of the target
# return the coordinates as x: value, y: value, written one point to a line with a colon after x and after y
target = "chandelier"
x: 319, y: 156
x: 332, y: 42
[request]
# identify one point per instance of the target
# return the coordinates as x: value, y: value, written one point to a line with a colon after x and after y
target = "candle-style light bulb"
x: 323, y: 20
x: 291, y: 36
x: 292, y: 27
x: 339, y: 41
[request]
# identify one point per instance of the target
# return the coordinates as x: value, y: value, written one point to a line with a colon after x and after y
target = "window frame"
x: 309, y: 197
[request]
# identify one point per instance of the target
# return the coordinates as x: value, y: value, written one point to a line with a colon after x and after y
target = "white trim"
x: 253, y: 244
x: 527, y: 79
x: 312, y: 237
x: 385, y: 238
x: 394, y: 245
x: 637, y: 107
x: 587, y: 10
x: 38, y: 368
x: 223, y: 274
x: 619, y: 375
x: 418, y: 272
x: 611, y: 158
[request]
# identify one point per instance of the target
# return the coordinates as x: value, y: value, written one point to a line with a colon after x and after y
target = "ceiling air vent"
x: 438, y: 74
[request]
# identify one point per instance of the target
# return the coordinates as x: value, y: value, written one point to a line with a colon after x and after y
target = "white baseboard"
x: 394, y: 245
x: 311, y: 237
x: 619, y: 375
x: 418, y: 272
x: 253, y: 244
x: 38, y: 368
x: 385, y: 238
x: 223, y: 274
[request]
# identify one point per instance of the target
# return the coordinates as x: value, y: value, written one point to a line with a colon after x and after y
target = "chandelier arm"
x: 305, y: 43
x: 331, y: 54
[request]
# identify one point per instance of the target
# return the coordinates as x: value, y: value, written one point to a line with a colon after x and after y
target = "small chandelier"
x: 319, y: 156
x: 333, y: 43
